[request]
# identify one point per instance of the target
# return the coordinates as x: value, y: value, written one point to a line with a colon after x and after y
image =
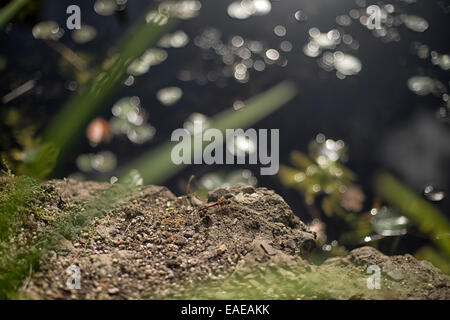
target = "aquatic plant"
x: 321, y: 178
x: 320, y: 175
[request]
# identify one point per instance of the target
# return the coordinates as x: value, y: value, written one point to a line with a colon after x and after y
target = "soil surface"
x: 153, y: 244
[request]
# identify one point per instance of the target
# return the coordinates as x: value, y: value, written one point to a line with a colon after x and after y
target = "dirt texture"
x: 153, y: 244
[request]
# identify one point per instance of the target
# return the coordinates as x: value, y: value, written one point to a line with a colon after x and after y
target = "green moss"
x: 18, y: 196
x: 22, y: 243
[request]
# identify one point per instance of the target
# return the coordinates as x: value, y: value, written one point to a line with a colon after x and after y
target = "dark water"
x: 384, y: 124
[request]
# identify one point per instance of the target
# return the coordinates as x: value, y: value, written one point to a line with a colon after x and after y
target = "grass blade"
x: 68, y: 125
x: 156, y: 166
x: 428, y: 218
x: 10, y: 10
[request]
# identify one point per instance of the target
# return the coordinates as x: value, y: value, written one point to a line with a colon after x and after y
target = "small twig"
x: 24, y: 88
x: 188, y: 190
x: 28, y: 279
x: 68, y: 54
x: 221, y: 202
x: 128, y: 227
x: 188, y: 185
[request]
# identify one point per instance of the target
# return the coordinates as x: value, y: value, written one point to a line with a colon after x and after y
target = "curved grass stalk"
x: 10, y: 10
x: 427, y: 217
x: 67, y: 126
x: 156, y: 165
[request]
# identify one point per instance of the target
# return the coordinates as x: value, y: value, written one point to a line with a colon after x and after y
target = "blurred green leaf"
x: 39, y: 161
x: 68, y: 125
x: 300, y: 160
x: 437, y: 259
x: 156, y: 166
x: 321, y: 175
x: 10, y: 10
x: 428, y: 218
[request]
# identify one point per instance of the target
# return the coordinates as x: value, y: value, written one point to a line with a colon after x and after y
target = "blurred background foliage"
x: 345, y: 207
x: 329, y: 188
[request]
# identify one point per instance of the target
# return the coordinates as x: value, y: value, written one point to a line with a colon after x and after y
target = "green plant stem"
x: 428, y: 218
x: 10, y: 10
x: 156, y: 166
x: 68, y: 125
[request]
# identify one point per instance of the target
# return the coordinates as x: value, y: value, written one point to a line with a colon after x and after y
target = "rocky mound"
x: 248, y: 245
